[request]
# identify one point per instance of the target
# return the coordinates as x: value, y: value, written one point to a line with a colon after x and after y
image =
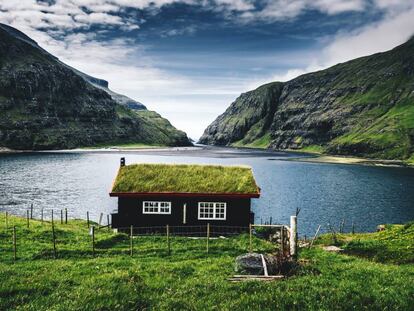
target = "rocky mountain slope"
x: 363, y: 107
x: 45, y: 104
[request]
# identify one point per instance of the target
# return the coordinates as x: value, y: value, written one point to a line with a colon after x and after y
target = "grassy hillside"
x: 45, y: 105
x: 363, y: 107
x: 190, y: 279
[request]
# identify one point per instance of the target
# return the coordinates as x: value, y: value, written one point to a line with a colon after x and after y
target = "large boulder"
x: 250, y: 264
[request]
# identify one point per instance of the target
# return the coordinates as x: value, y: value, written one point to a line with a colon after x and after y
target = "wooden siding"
x: 130, y: 212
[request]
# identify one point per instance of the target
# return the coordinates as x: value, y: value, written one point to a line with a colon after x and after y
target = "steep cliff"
x: 363, y: 107
x: 45, y: 104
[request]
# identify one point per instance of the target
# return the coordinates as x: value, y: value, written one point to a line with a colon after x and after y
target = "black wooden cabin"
x: 156, y: 195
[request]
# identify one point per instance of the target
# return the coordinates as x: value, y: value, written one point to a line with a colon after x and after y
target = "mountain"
x: 46, y: 104
x: 363, y: 107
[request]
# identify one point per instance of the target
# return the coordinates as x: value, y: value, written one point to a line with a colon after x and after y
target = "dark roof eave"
x: 184, y: 194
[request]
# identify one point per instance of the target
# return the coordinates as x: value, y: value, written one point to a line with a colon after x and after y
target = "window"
x: 152, y: 207
x: 212, y: 210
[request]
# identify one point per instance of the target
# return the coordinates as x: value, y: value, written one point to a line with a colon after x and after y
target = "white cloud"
x: 288, y: 9
x: 395, y: 28
x: 381, y: 36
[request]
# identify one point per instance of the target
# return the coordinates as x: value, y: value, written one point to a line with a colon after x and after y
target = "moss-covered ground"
x: 191, y: 279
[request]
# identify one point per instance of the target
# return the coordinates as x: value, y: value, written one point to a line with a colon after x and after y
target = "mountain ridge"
x: 46, y: 104
x: 362, y: 107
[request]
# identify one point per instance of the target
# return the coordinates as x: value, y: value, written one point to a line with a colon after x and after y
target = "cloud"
x: 395, y: 28
x: 278, y: 10
x: 76, y: 14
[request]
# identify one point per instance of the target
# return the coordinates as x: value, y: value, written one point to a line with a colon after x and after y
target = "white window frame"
x: 156, y: 207
x: 215, y: 208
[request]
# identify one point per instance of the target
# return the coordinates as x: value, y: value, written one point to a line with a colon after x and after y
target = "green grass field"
x: 191, y: 279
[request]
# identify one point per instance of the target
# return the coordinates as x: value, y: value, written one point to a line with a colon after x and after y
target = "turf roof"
x: 166, y: 178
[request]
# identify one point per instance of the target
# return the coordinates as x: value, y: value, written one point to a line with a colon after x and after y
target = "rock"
x: 380, y: 227
x: 250, y: 264
x: 332, y: 248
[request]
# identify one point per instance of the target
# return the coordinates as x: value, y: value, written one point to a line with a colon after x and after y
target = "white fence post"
x: 293, y: 231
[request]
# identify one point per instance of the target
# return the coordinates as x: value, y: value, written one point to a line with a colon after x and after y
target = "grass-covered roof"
x: 198, y: 179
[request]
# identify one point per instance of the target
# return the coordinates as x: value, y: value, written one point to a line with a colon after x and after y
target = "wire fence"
x: 30, y: 239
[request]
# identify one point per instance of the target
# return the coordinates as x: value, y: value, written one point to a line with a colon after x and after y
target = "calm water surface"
x: 326, y: 193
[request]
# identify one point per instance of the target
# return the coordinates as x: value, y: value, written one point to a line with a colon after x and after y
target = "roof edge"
x: 185, y: 194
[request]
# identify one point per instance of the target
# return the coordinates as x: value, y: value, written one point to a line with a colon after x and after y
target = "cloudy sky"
x: 189, y: 59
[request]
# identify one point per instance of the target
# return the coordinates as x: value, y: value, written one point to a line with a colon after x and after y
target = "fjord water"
x: 325, y: 193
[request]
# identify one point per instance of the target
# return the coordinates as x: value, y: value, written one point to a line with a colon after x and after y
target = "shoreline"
x: 348, y: 160
x: 221, y: 151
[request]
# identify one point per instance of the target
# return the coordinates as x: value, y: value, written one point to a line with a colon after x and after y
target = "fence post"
x: 282, y: 240
x: 341, y: 227
x: 353, y: 227
x: 14, y: 244
x: 293, y: 235
x: 61, y: 217
x: 107, y: 219
x: 93, y: 240
x: 100, y: 218
x: 315, y: 236
x: 7, y: 220
x: 131, y: 245
x: 87, y: 218
x: 250, y: 238
x: 52, y: 218
x: 168, y: 239
x: 66, y: 216
x: 54, y: 241
x: 208, y: 235
x: 27, y: 218
x: 31, y: 211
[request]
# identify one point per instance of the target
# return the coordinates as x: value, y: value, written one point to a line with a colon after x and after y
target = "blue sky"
x: 189, y: 59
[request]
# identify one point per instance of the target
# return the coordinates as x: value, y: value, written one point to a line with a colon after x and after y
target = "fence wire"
x: 34, y: 239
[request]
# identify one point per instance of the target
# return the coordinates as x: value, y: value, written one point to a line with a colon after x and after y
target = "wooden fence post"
x: 66, y: 216
x: 52, y: 218
x: 250, y: 238
x: 14, y: 244
x: 27, y: 218
x: 100, y: 219
x: 107, y: 220
x: 168, y: 239
x: 131, y: 243
x: 208, y: 236
x: 353, y: 227
x: 61, y: 217
x: 93, y: 240
x: 87, y: 218
x: 7, y: 220
x: 31, y: 211
x: 293, y: 235
x: 54, y: 241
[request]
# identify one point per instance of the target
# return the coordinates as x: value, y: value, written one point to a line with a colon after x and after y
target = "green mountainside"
x: 364, y: 107
x: 45, y: 104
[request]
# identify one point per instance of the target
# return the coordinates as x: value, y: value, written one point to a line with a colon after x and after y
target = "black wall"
x: 130, y: 212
